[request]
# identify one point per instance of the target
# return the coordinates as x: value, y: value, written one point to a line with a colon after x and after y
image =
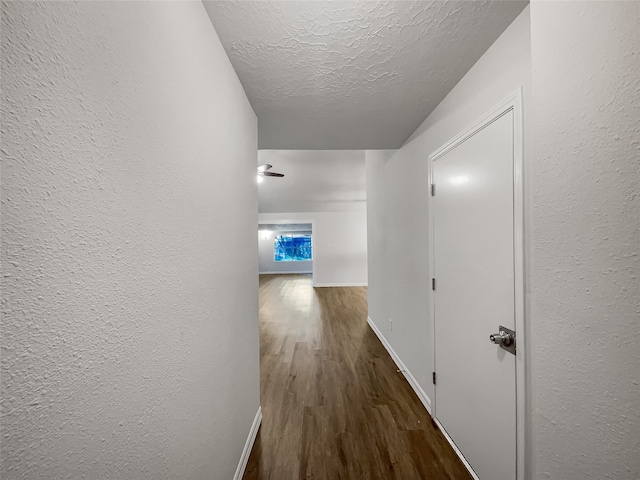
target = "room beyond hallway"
x: 334, y: 405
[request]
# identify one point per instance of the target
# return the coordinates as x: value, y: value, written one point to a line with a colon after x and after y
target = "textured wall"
x: 339, y: 248
x: 397, y: 196
x: 585, y: 239
x: 352, y: 74
x: 129, y: 321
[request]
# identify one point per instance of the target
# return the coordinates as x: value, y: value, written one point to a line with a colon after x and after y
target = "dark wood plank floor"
x: 333, y: 404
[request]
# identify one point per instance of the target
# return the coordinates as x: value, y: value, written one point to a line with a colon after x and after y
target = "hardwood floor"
x: 333, y: 404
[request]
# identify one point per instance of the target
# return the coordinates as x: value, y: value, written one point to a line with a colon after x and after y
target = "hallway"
x: 333, y: 403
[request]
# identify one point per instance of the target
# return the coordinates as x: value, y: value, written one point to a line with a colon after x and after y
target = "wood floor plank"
x: 333, y: 404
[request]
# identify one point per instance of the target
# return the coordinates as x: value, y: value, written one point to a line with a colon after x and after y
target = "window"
x: 292, y: 248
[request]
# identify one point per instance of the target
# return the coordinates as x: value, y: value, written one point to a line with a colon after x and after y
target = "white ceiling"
x: 314, y: 181
x: 352, y: 74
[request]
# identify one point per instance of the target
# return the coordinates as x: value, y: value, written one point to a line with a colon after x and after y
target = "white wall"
x: 397, y: 193
x: 129, y: 324
x: 314, y: 181
x: 585, y: 240
x: 266, y: 254
x: 339, y: 245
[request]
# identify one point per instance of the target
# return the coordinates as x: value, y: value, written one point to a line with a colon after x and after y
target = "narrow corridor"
x: 334, y: 405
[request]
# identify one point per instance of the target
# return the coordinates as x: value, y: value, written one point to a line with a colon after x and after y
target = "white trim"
x: 348, y: 284
x: 456, y: 449
x: 286, y: 273
x: 420, y: 392
x: 512, y: 103
x: 518, y: 251
x: 432, y: 269
x: 504, y: 107
x: 426, y: 401
x: 246, y: 452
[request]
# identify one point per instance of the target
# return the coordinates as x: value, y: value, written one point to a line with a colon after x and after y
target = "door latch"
x: 506, y: 339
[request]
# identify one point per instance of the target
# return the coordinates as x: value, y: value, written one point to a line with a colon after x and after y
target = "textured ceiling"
x: 314, y: 181
x: 352, y: 74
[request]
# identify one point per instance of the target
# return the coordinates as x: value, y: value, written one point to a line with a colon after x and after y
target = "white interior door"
x: 474, y: 294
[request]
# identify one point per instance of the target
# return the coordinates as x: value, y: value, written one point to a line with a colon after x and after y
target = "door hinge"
x: 433, y: 189
x: 433, y: 284
x: 434, y: 378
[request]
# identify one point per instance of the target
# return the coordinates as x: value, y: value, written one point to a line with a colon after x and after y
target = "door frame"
x: 512, y: 103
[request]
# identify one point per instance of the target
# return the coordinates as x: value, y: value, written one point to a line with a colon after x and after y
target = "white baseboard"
x: 285, y: 273
x: 246, y: 452
x: 340, y: 284
x: 420, y: 392
x: 426, y: 401
x: 456, y: 449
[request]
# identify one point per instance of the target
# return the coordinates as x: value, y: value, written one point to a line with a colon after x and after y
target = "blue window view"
x: 292, y: 248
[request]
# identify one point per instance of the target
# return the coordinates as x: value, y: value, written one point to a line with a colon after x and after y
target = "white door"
x: 473, y: 251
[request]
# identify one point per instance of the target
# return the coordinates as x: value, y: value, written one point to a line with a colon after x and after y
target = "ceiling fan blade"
x: 264, y: 168
x: 272, y: 174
